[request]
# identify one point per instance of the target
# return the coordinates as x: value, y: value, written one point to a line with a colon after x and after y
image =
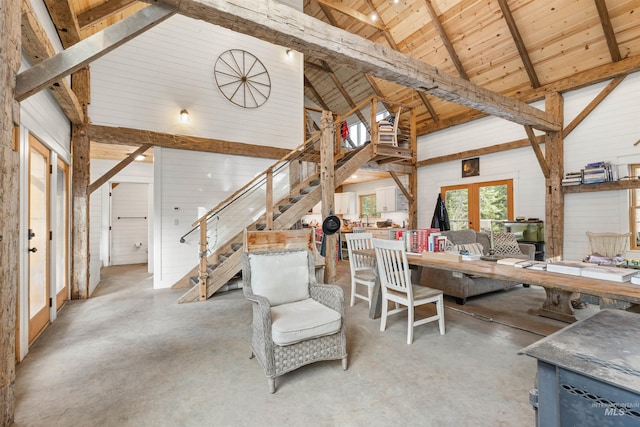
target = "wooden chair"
x: 361, y: 266
x: 396, y: 286
x: 390, y: 136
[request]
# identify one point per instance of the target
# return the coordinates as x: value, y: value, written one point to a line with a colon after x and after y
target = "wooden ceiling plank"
x: 128, y: 136
x: 37, y: 47
x: 609, y: 33
x: 592, y: 105
x: 102, y: 12
x: 64, y: 18
x: 445, y: 40
x: 117, y: 168
x: 369, y: 78
x: 315, y: 93
x: 285, y: 26
x: 340, y: 7
x: 517, y: 38
x: 77, y: 56
x: 346, y: 96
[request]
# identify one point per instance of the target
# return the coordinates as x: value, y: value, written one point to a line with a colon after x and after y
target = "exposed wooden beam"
x: 117, y: 168
x: 445, y: 40
x: 521, y: 143
x: 10, y: 239
x: 401, y: 186
x: 327, y: 177
x: 609, y: 33
x: 394, y: 45
x: 554, y: 198
x: 77, y: 56
x: 537, y: 140
x: 279, y: 24
x: 128, y: 136
x: 37, y: 47
x: 340, y: 7
x: 64, y: 18
x: 517, y: 38
x: 576, y: 81
x: 345, y: 94
x: 592, y: 105
x: 537, y: 151
x: 102, y: 12
x: 319, y: 100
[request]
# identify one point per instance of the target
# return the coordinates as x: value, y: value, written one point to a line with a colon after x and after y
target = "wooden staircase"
x: 223, y: 264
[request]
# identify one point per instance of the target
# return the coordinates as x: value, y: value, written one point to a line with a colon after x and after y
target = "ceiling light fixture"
x: 140, y: 157
x: 374, y: 17
x: 184, y: 116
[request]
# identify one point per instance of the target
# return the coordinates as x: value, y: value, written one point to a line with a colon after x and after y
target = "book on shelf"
x: 471, y: 257
x: 635, y: 279
x: 614, y: 274
x: 567, y: 267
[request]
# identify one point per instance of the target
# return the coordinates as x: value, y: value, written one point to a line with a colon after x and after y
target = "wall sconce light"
x: 289, y: 53
x: 184, y: 116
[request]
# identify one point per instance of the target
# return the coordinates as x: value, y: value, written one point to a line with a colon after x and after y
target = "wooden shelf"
x: 626, y: 184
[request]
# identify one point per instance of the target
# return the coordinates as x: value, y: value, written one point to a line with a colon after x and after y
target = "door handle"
x: 34, y: 250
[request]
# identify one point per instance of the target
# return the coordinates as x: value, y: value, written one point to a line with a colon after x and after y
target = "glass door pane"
x: 62, y: 233
x: 38, y: 237
x: 493, y: 207
x: 457, y: 202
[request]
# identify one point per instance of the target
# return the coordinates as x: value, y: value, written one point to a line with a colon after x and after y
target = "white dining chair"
x: 396, y: 286
x: 362, y: 265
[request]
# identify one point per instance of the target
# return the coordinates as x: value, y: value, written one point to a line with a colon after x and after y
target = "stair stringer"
x: 232, y: 265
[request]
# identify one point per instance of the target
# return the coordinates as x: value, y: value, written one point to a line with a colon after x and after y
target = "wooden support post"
x: 10, y: 48
x: 80, y: 146
x: 202, y: 277
x: 327, y: 180
x: 554, y: 198
x: 269, y: 199
x: 413, y: 176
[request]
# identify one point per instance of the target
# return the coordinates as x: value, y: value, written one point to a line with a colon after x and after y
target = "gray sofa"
x: 466, y: 286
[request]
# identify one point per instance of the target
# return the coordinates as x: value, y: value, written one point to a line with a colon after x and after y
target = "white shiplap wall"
x: 185, y: 182
x: 146, y: 82
x: 608, y: 133
x: 99, y: 213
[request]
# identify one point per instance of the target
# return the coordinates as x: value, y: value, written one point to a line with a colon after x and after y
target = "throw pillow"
x: 505, y: 244
x: 471, y: 248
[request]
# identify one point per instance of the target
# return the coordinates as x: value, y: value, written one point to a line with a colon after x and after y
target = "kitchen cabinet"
x: 344, y: 203
x: 391, y: 199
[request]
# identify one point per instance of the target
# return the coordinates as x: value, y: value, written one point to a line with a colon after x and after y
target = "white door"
x: 129, y: 223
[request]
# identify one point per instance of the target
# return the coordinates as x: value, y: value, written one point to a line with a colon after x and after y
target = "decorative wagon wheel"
x: 242, y: 78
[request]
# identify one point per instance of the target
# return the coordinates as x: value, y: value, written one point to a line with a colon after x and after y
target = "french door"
x: 478, y: 205
x: 38, y: 236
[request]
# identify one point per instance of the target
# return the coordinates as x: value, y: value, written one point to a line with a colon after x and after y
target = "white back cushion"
x: 281, y: 278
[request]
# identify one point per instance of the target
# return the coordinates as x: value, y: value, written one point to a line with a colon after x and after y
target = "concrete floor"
x: 132, y: 356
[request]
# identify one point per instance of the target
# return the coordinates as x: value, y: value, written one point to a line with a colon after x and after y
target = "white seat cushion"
x: 281, y: 278
x: 302, y: 320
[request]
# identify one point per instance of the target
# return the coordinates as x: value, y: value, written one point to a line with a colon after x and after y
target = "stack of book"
x: 599, y: 172
x: 594, y: 271
x: 572, y: 178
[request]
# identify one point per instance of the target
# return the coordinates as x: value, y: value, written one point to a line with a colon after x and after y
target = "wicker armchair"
x: 296, y: 321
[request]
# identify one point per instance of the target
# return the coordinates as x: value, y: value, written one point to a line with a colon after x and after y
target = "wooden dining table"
x: 559, y: 288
